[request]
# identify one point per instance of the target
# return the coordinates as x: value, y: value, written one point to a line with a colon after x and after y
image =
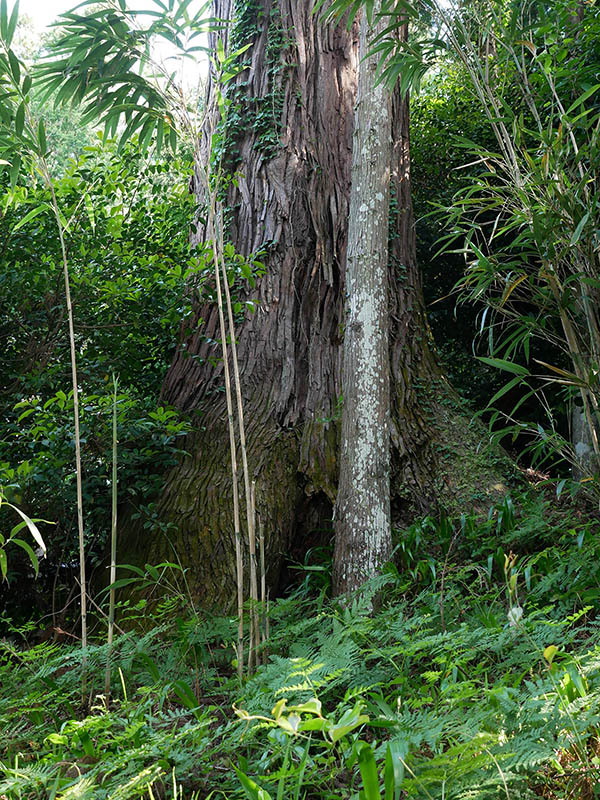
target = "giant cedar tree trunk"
x: 291, y: 141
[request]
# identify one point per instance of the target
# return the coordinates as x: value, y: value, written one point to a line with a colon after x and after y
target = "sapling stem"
x: 113, y: 544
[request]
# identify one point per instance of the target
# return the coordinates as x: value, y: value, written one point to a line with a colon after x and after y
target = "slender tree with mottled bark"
x: 362, y: 510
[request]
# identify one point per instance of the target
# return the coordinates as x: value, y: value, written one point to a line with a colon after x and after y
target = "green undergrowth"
x: 475, y: 677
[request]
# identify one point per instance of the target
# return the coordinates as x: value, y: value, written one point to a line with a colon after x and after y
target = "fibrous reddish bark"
x: 291, y: 200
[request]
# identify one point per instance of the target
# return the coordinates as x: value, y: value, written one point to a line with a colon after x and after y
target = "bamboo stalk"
x: 232, y: 446
x: 574, y: 352
x: 250, y: 510
x: 263, y: 590
x: 75, y: 388
x: 263, y: 595
x: 214, y: 233
x: 113, y: 547
x: 267, y: 630
x: 254, y: 613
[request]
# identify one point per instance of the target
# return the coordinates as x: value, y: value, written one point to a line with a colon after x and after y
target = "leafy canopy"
x: 103, y: 59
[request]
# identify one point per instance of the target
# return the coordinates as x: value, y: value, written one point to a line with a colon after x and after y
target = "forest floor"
x: 477, y: 677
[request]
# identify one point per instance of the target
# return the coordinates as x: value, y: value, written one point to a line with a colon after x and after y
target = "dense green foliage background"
x: 128, y: 223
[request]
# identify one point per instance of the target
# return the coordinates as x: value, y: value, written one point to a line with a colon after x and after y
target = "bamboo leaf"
x: 512, y: 287
x: 121, y: 582
x: 185, y: 694
x: 582, y: 98
x: 579, y: 229
x: 368, y: 772
x: 14, y: 171
x: 29, y: 550
x: 252, y: 789
x: 173, y: 139
x: 133, y: 568
x: 35, y: 212
x: 529, y: 45
x: 3, y: 19
x: 507, y: 366
x: 33, y: 529
x: 160, y: 127
x: 501, y: 392
x: 89, y: 207
x: 15, y: 67
x: 570, y: 376
x: 20, y: 119
x: 42, y: 138
x: 394, y: 768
